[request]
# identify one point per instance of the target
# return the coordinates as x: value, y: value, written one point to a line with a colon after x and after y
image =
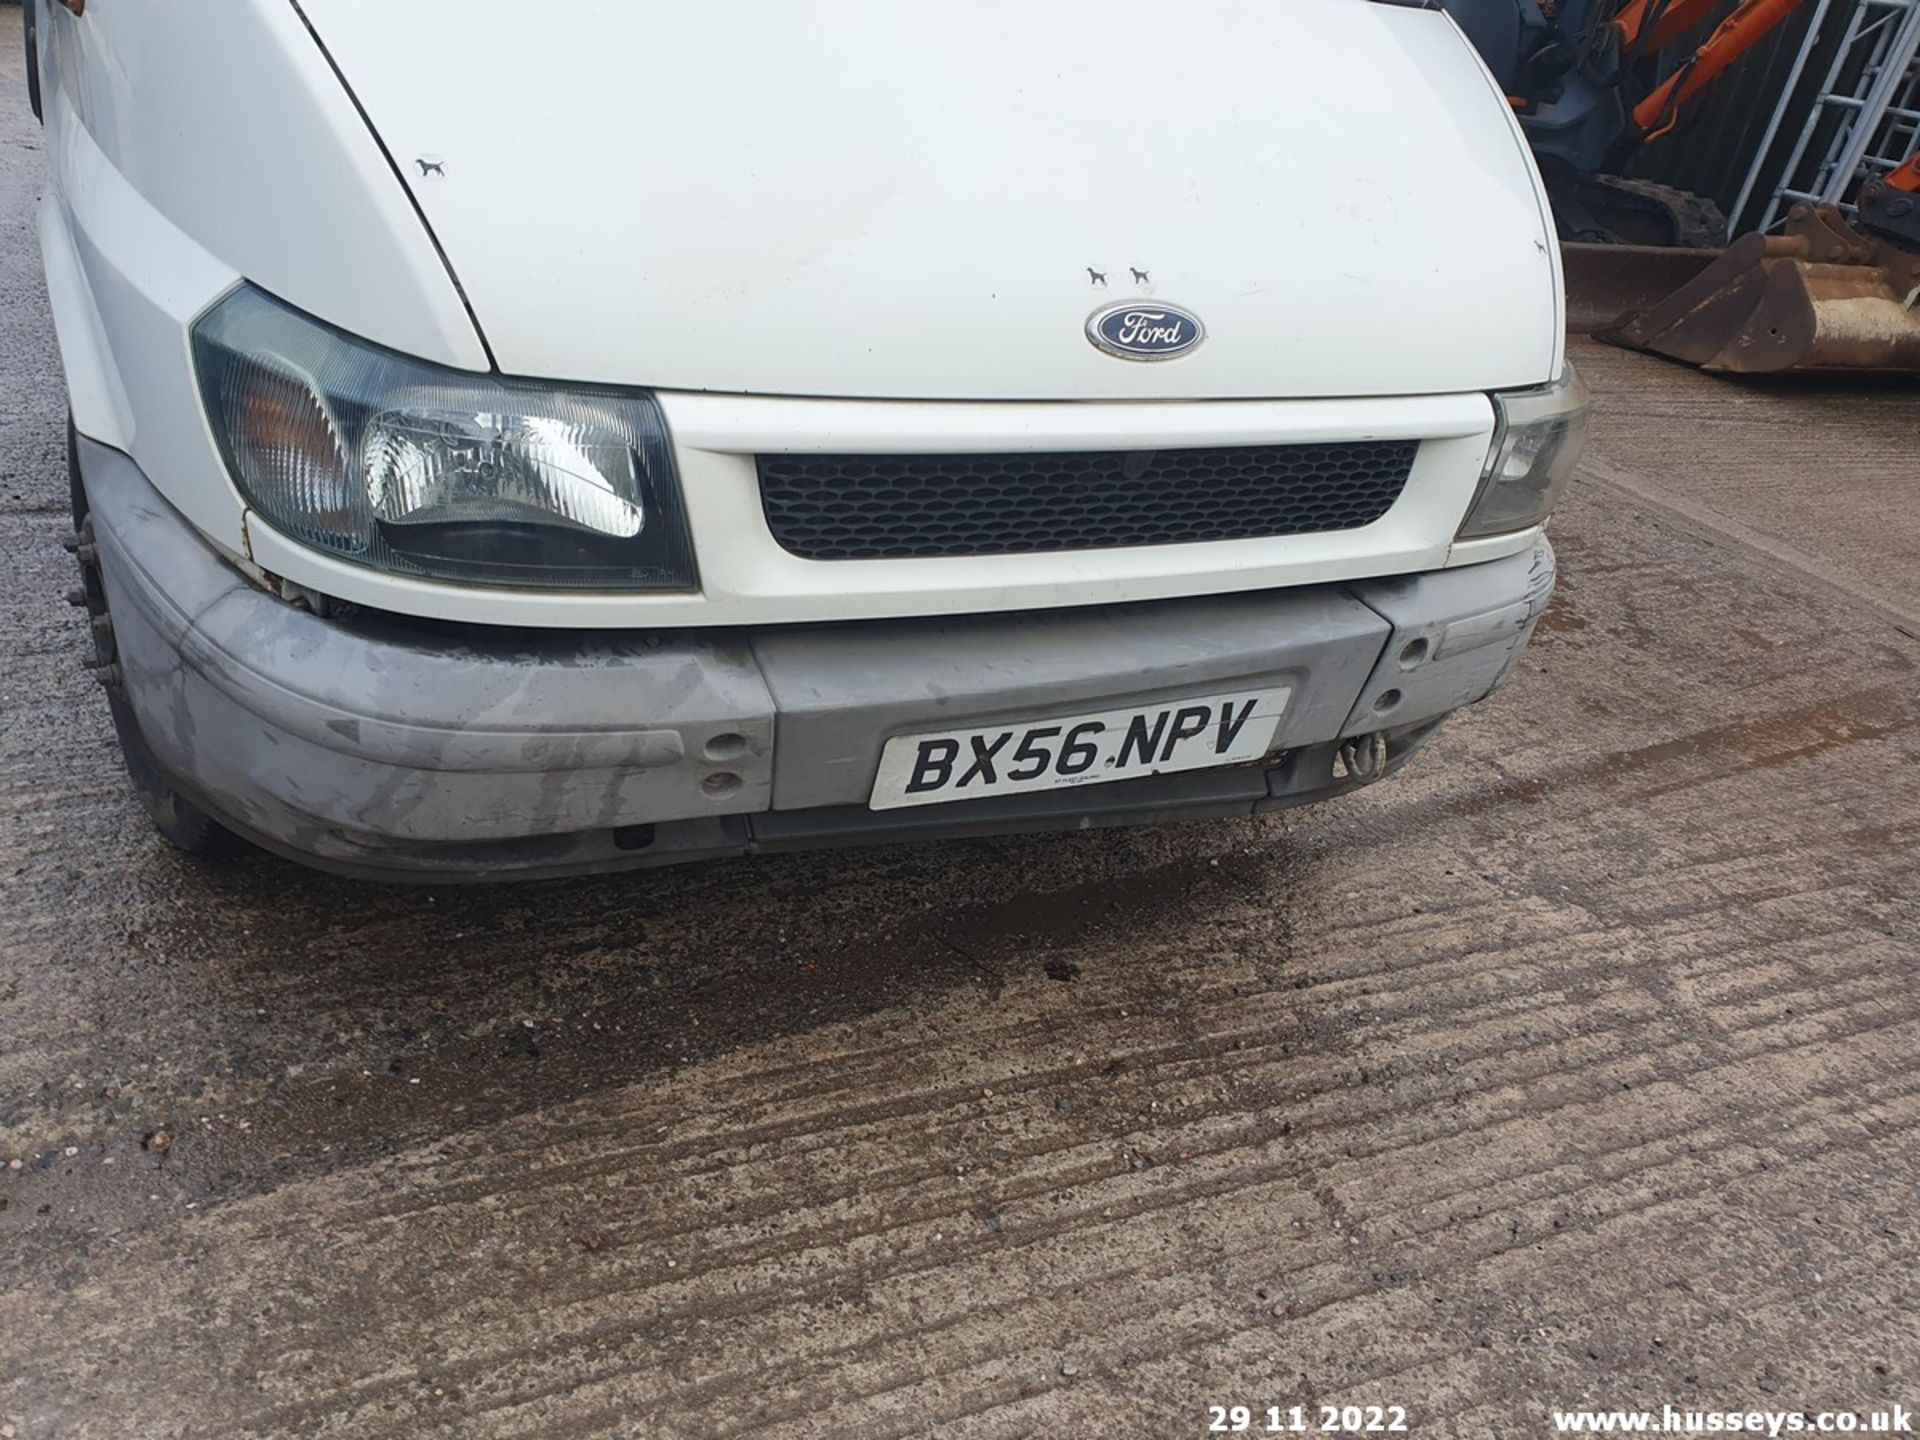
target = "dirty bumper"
x: 399, y: 751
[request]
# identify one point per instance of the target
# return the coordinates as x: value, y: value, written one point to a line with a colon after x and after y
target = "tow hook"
x: 1365, y: 757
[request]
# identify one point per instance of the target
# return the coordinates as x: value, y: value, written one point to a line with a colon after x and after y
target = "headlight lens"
x: 405, y: 467
x: 1538, y: 438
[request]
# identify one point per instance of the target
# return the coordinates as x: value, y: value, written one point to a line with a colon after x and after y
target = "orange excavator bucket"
x: 1821, y: 296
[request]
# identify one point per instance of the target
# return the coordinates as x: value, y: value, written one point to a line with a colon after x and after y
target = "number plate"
x: 937, y: 768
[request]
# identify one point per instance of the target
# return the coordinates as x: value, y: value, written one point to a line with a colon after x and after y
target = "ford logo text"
x: 1135, y: 331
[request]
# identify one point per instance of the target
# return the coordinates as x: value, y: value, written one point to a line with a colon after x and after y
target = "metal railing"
x: 1863, y: 121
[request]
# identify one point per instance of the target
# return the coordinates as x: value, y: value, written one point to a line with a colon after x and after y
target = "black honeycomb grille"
x: 875, y: 507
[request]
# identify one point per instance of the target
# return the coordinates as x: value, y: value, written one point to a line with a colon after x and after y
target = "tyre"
x: 184, y: 824
x: 30, y: 33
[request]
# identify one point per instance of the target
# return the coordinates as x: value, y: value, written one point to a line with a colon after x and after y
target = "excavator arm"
x: 1646, y: 26
x: 1889, y: 206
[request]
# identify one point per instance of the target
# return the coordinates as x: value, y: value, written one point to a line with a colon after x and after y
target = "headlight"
x: 405, y: 467
x: 1537, y: 439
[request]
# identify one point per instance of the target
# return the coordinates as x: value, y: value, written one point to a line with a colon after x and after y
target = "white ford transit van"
x: 527, y: 439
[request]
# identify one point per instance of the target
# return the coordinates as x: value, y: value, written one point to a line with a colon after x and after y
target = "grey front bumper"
x: 397, y: 751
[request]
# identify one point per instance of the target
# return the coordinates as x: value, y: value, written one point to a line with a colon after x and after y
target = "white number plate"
x: 1082, y: 750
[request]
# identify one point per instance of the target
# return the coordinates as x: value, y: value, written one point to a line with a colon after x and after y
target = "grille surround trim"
x: 945, y: 506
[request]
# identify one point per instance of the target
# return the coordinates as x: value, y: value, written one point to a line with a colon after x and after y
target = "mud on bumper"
x: 395, y: 751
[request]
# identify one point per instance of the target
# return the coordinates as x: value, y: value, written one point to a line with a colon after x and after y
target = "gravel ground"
x: 1574, y: 1066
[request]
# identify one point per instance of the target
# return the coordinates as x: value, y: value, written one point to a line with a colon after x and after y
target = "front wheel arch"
x: 181, y: 822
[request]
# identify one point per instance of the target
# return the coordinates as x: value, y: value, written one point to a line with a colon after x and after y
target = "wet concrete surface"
x: 1573, y: 1066
x: 1816, y: 471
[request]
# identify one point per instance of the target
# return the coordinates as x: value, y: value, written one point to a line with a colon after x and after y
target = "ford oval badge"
x: 1145, y: 330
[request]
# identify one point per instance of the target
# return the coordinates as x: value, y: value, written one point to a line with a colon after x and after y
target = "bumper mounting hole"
x: 726, y: 746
